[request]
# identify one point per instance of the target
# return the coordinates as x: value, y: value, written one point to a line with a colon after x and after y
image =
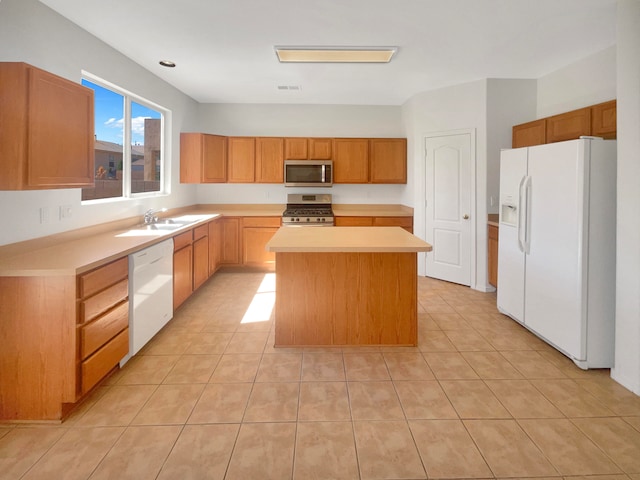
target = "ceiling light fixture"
x: 335, y: 54
x: 167, y: 63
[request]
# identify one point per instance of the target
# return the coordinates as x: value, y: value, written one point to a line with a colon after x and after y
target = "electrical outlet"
x: 65, y: 211
x: 44, y: 214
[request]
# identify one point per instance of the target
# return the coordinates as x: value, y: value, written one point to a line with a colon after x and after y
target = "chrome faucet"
x: 150, y: 215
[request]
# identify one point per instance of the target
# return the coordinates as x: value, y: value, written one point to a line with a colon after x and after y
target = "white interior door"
x: 448, y: 207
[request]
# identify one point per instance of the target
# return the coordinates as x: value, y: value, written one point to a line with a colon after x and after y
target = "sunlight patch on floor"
x: 263, y: 301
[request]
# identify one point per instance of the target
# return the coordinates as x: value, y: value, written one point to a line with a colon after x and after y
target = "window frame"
x: 165, y: 156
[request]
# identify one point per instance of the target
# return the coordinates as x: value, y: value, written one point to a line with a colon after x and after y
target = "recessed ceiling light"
x: 335, y: 54
x: 167, y: 63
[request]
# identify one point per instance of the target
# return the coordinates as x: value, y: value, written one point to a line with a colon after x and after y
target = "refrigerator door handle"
x: 526, y: 240
x: 521, y: 209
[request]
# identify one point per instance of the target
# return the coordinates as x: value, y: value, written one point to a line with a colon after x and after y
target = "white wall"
x: 627, y: 357
x: 300, y: 121
x: 459, y: 107
x: 32, y: 33
x: 585, y: 82
x: 509, y: 102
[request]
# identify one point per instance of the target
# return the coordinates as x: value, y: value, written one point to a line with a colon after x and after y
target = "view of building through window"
x: 120, y: 171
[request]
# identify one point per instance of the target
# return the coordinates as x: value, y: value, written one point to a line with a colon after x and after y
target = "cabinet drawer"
x: 354, y: 221
x: 182, y: 240
x: 100, y: 363
x: 393, y: 221
x: 261, y: 221
x: 100, y: 278
x: 104, y: 328
x: 103, y: 301
x: 201, y: 231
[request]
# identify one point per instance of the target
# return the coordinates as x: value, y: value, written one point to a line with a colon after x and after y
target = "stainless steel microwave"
x: 308, y: 173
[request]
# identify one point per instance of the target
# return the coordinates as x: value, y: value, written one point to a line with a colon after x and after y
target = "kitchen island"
x: 342, y: 286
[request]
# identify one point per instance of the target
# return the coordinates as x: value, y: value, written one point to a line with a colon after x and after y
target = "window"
x: 129, y: 144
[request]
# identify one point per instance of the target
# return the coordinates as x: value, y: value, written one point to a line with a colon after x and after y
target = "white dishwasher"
x: 150, y: 294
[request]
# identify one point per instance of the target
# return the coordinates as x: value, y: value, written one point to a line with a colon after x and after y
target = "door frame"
x: 421, y: 197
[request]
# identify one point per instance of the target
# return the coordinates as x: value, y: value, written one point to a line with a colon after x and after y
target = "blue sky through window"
x: 109, y: 115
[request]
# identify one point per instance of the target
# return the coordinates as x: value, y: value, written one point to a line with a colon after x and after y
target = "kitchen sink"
x: 163, y: 226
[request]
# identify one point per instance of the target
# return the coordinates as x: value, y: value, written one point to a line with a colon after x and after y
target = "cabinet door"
x: 203, y: 158
x: 214, y: 159
x: 569, y: 125
x: 388, y: 160
x: 230, y: 246
x: 182, y: 275
x: 215, y: 241
x: 320, y: 148
x: 295, y: 149
x: 353, y: 221
x: 350, y: 160
x: 254, y: 241
x: 404, y: 222
x: 269, y: 160
x: 603, y: 120
x: 191, y: 146
x: 493, y: 255
x: 241, y: 159
x: 200, y: 261
x: 529, y: 134
x: 60, y: 125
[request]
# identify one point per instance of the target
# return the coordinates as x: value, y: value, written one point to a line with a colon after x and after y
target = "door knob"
x: 465, y: 216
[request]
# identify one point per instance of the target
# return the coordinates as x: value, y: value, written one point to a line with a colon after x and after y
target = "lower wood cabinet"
x: 103, y: 321
x: 256, y: 232
x: 231, y: 238
x: 61, y: 335
x: 492, y: 255
x: 200, y: 255
x: 360, y: 221
x: 182, y: 268
x: 215, y: 241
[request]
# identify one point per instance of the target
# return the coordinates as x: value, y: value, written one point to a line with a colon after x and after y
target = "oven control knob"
x: 324, y: 219
x: 308, y: 219
x: 297, y: 219
x: 318, y: 219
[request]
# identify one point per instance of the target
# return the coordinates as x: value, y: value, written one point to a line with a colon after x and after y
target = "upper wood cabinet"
x: 296, y: 148
x: 46, y: 130
x: 241, y: 158
x: 299, y: 148
x: 529, y: 134
x: 603, y: 120
x: 597, y: 120
x: 261, y: 159
x: 320, y: 148
x: 388, y: 160
x: 569, y: 125
x: 350, y: 160
x: 203, y: 158
x: 269, y: 160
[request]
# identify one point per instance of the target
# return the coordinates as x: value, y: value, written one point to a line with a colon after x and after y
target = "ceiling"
x: 224, y: 48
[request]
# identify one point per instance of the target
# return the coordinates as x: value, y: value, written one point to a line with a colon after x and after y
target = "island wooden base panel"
x: 335, y: 299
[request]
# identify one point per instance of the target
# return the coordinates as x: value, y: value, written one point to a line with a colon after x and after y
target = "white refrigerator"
x: 556, y: 257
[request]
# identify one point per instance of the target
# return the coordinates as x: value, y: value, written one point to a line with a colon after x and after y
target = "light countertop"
x: 345, y: 239
x: 78, y: 251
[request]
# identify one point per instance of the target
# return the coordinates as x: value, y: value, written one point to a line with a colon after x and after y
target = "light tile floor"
x: 210, y: 398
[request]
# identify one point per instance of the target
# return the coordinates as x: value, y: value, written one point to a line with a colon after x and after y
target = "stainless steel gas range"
x: 308, y: 210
